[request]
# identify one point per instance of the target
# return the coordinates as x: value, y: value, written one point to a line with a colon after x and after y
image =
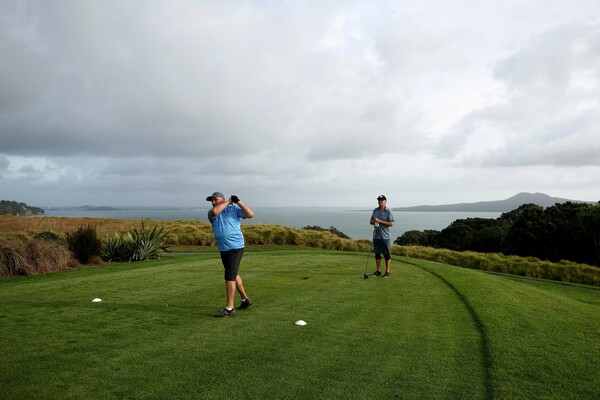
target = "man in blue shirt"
x: 225, y: 216
x: 382, y: 220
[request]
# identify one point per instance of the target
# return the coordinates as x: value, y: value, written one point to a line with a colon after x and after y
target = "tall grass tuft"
x: 25, y: 256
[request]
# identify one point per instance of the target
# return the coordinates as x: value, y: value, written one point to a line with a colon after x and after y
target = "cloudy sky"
x: 319, y: 103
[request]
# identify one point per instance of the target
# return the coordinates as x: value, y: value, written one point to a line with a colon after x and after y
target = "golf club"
x: 366, y: 264
x: 375, y: 226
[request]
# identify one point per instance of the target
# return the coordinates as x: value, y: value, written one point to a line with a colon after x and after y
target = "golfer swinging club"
x: 225, y: 216
x: 382, y: 220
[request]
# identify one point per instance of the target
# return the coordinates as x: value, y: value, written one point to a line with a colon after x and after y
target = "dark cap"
x: 215, y: 194
x: 381, y: 197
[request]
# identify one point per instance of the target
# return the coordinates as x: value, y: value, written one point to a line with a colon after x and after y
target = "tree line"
x: 565, y: 231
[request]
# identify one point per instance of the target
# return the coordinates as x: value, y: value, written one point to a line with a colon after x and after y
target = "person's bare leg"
x: 230, y: 289
x: 239, y: 284
x: 387, y: 266
x: 378, y: 264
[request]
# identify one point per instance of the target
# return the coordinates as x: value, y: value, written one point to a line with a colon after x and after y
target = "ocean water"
x: 351, y: 221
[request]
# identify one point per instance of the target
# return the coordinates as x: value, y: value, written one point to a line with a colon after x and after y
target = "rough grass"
x: 531, y: 267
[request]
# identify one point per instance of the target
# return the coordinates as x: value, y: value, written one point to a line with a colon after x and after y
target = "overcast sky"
x: 317, y: 103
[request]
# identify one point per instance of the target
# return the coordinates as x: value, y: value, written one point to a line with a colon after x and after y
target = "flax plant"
x: 135, y: 245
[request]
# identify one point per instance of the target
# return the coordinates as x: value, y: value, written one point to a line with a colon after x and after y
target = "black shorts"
x: 382, y: 246
x: 231, y: 261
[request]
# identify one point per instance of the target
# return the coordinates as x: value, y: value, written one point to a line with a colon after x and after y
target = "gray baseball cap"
x: 215, y: 194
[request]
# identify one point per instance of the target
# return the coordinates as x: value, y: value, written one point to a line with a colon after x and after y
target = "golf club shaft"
x: 375, y: 226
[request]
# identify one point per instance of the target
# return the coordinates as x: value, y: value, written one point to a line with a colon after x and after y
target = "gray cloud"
x: 4, y: 163
x: 131, y: 101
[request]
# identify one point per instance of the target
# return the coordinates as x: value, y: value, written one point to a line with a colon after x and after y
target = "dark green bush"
x: 84, y: 243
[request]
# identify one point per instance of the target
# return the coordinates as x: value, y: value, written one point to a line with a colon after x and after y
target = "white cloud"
x: 298, y: 101
x: 548, y: 115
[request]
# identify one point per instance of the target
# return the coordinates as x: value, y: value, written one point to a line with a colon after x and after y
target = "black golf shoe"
x: 245, y: 304
x: 376, y: 273
x: 387, y: 275
x: 225, y: 313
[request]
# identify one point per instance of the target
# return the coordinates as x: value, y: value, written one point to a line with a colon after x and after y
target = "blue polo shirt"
x: 383, y: 232
x: 226, y: 228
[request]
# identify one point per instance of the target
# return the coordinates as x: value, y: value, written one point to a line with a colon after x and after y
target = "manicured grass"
x: 431, y: 331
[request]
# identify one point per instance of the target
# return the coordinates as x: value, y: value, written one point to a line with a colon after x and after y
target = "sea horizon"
x: 352, y: 221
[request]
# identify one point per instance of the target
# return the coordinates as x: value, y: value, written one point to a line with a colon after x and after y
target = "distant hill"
x: 14, y: 208
x: 509, y: 204
x: 96, y: 208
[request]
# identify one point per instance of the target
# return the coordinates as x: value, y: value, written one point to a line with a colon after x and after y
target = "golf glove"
x: 235, y: 199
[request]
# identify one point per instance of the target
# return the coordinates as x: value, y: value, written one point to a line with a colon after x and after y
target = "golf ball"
x: 300, y: 322
x: 96, y: 300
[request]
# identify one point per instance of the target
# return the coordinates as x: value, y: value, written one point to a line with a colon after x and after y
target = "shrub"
x: 256, y: 234
x: 24, y: 256
x: 187, y: 234
x: 135, y: 245
x: 364, y: 245
x: 117, y: 248
x: 84, y: 243
x: 147, y: 245
x: 331, y: 229
x: 47, y: 235
x: 13, y: 261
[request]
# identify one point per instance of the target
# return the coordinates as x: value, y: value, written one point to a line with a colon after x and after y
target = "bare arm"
x: 217, y: 209
x: 248, y: 213
x: 246, y: 210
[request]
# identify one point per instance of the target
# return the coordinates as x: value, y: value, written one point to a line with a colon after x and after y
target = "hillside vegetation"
x: 567, y: 231
x: 14, y: 208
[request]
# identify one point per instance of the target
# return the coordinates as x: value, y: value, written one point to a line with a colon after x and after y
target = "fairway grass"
x: 431, y: 331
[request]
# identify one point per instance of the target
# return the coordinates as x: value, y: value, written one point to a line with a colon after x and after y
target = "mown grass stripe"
x: 484, y: 340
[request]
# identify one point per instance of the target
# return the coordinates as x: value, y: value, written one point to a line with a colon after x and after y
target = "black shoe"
x: 376, y: 273
x: 245, y: 304
x: 225, y: 313
x: 387, y: 275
